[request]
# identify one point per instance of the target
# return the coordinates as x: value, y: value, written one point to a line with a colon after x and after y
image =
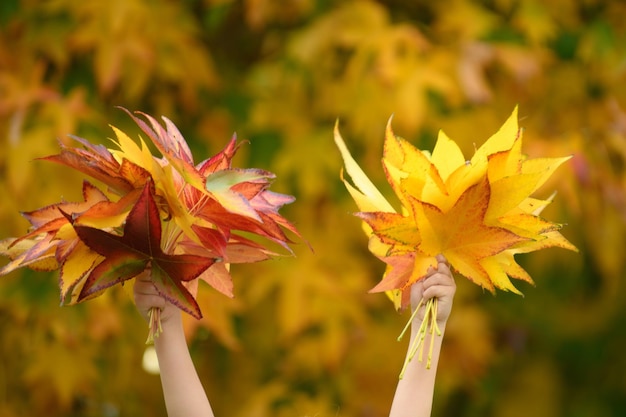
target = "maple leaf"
x: 207, y: 209
x: 98, y: 162
x: 173, y: 147
x: 138, y: 248
x: 50, y: 242
x: 462, y: 236
x: 37, y: 254
x: 212, y: 191
x: 477, y: 213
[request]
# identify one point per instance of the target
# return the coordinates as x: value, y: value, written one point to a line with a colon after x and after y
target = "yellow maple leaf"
x: 462, y: 236
x: 478, y: 213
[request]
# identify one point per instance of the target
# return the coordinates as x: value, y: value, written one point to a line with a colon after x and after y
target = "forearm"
x: 183, y: 392
x: 414, y: 394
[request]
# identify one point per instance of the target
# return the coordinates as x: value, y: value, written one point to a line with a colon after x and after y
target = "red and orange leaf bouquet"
x: 478, y: 213
x: 181, y: 220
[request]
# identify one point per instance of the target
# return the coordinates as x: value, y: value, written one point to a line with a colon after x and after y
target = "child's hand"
x: 146, y: 297
x: 439, y: 284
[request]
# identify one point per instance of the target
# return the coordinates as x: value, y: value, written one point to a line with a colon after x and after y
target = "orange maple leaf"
x: 461, y: 235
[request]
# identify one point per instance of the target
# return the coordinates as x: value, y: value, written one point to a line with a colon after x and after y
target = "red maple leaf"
x: 139, y: 248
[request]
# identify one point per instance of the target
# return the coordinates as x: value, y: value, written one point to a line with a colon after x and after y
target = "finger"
x: 444, y: 269
x: 429, y: 272
x: 441, y: 266
x: 439, y: 279
x: 144, y: 276
x: 150, y: 300
x: 441, y: 259
x: 438, y: 291
x: 145, y: 288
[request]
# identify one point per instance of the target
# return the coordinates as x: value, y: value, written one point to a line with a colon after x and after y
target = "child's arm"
x: 414, y: 394
x: 182, y: 389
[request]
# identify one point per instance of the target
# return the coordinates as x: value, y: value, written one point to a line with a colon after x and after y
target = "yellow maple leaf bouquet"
x: 478, y: 213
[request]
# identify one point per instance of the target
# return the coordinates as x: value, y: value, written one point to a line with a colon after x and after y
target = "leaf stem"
x: 154, y: 325
x: 408, y: 324
x: 428, y: 324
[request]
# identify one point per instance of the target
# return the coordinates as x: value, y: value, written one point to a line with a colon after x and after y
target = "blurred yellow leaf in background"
x: 302, y: 336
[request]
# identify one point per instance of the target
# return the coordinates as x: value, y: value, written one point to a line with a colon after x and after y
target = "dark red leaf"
x: 139, y: 247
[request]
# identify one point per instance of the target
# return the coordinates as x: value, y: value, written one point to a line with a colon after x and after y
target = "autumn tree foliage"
x: 302, y: 336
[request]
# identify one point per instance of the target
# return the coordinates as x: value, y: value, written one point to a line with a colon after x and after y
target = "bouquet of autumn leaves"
x: 478, y: 213
x: 183, y: 221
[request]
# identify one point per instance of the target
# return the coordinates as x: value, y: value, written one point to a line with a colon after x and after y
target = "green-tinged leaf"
x: 114, y: 269
x: 74, y: 271
x: 236, y: 203
x: 174, y: 291
x: 227, y: 178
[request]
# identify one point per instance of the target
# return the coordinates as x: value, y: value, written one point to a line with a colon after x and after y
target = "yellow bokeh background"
x: 303, y: 337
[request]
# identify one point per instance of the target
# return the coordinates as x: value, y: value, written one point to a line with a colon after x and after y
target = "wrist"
x: 172, y: 333
x: 171, y: 319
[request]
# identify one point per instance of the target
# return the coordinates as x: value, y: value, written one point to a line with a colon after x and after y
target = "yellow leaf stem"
x: 428, y: 325
x: 154, y: 325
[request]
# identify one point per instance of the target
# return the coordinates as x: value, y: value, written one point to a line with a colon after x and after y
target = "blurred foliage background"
x: 302, y: 337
